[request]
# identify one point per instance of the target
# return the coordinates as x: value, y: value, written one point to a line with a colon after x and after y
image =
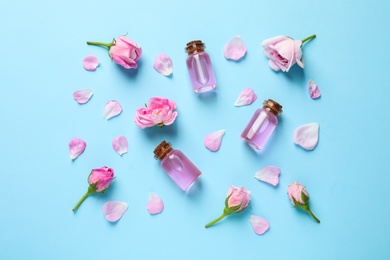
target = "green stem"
x: 308, y: 38
x: 108, y: 45
x: 224, y: 214
x: 89, y: 191
x: 312, y: 215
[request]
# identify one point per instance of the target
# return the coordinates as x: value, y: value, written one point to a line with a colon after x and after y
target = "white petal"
x: 213, y: 141
x: 260, y: 225
x: 307, y: 135
x: 83, y: 96
x: 154, y: 205
x: 112, y: 108
x: 246, y: 97
x: 120, y: 145
x: 314, y: 90
x: 269, y: 174
x: 235, y: 49
x: 163, y: 64
x: 114, y: 210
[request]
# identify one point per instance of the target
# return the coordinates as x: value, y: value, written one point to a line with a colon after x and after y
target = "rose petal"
x: 120, y: 145
x: 83, y: 96
x: 260, y: 225
x: 112, y: 108
x: 76, y: 147
x: 314, y: 90
x: 269, y: 174
x: 307, y: 135
x: 154, y: 205
x: 90, y: 62
x: 213, y: 141
x: 246, y: 97
x: 235, y: 49
x: 163, y: 64
x: 114, y: 210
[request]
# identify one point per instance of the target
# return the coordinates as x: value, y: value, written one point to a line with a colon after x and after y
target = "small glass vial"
x: 176, y: 165
x: 262, y: 124
x: 199, y: 66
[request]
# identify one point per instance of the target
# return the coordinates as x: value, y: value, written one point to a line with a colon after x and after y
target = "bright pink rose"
x: 237, y: 196
x: 101, y: 178
x: 295, y: 191
x: 159, y: 111
x: 283, y: 52
x: 125, y: 52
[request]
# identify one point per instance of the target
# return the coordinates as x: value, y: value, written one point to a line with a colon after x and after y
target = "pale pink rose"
x: 283, y: 52
x: 295, y: 191
x: 159, y: 111
x: 125, y: 52
x: 237, y: 196
x: 101, y: 178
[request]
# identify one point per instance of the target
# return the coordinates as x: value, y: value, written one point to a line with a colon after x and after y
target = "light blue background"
x: 347, y: 175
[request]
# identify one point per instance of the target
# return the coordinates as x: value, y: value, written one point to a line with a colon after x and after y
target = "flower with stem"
x: 300, y: 198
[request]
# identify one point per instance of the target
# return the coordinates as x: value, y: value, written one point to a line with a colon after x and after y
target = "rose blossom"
x: 284, y: 52
x: 237, y: 200
x: 159, y: 111
x: 299, y: 197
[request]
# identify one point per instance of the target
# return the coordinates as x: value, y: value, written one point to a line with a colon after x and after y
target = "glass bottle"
x: 176, y: 165
x: 262, y: 124
x: 199, y: 67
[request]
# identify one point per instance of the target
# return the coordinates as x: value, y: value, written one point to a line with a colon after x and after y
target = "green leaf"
x: 304, y: 198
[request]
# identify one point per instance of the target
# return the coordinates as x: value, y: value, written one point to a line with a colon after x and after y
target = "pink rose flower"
x: 159, y: 111
x: 237, y: 200
x: 99, y: 180
x: 284, y: 52
x: 299, y: 197
x: 123, y: 51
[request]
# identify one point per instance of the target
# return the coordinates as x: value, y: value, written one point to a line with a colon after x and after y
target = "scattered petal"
x: 246, y: 97
x: 114, y: 210
x: 307, y: 135
x: 76, y: 147
x: 269, y: 174
x: 163, y: 64
x: 112, y: 108
x: 90, y: 62
x: 260, y: 225
x: 235, y: 49
x: 120, y: 145
x: 83, y: 96
x: 213, y: 141
x: 314, y: 90
x: 154, y: 205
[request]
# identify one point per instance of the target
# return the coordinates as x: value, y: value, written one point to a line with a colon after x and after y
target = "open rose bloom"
x: 159, y: 111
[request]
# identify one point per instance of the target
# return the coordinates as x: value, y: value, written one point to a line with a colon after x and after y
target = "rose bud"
x: 237, y: 200
x: 299, y: 197
x: 99, y: 180
x: 123, y: 51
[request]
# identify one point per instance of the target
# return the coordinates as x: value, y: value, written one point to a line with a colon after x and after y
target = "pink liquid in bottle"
x: 182, y: 171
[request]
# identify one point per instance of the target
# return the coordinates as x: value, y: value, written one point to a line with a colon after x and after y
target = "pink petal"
x: 112, y: 108
x: 260, y: 225
x: 76, y: 147
x: 163, y: 64
x: 154, y: 204
x: 269, y: 174
x: 83, y: 96
x: 314, y: 90
x: 307, y: 135
x: 120, y: 145
x: 235, y: 49
x: 90, y: 62
x: 213, y: 141
x: 246, y: 97
x: 114, y: 210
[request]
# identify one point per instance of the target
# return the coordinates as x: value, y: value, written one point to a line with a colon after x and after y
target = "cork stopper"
x: 194, y: 46
x: 162, y: 150
x: 272, y: 106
